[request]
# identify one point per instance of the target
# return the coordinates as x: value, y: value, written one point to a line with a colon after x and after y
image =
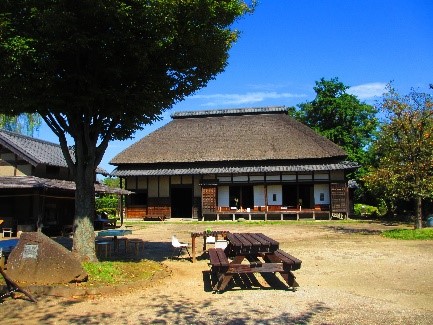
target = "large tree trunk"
x: 85, y: 130
x: 84, y: 174
x: 418, y: 218
x: 84, y: 235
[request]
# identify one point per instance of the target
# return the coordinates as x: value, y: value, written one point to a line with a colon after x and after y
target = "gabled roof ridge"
x: 230, y: 111
x: 26, y: 182
x: 13, y: 139
x: 28, y: 137
x: 36, y: 151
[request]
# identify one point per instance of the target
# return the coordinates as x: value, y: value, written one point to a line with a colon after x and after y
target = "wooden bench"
x: 278, y: 261
x: 219, y: 265
x: 289, y: 262
x: 218, y: 259
x: 148, y: 217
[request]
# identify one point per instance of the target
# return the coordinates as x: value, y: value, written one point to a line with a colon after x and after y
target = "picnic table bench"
x: 218, y: 259
x: 289, y: 262
x: 262, y: 253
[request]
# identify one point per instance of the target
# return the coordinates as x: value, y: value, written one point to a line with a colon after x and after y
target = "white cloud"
x: 247, y: 98
x: 269, y: 87
x: 366, y: 91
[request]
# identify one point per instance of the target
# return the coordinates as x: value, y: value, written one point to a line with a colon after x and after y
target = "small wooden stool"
x: 105, y: 247
x: 136, y: 243
x: 117, y: 242
x: 7, y: 231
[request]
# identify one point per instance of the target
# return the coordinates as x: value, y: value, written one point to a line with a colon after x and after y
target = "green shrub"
x: 364, y: 210
x: 107, y: 203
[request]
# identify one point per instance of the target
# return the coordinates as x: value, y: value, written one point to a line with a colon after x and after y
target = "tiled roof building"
x: 36, y: 187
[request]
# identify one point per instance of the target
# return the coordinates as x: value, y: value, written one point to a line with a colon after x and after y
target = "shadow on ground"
x: 173, y: 311
x: 350, y: 230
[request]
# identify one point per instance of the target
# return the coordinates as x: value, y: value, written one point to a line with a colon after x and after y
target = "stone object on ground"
x: 37, y: 259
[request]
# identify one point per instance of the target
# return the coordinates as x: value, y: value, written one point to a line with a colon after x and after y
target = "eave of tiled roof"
x: 36, y: 151
x: 125, y: 171
x: 33, y: 182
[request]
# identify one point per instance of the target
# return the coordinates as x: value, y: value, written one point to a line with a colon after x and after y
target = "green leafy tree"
x: 99, y: 70
x: 25, y: 123
x: 340, y: 117
x: 404, y: 150
x: 112, y: 181
x: 109, y: 203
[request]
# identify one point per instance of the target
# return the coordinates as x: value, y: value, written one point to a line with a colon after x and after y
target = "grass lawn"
x: 410, y: 234
x: 119, y: 272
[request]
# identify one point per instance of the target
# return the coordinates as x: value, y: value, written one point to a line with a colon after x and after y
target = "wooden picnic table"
x: 204, y: 234
x: 115, y: 233
x: 262, y: 253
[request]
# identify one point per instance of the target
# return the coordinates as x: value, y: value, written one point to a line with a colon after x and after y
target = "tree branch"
x: 59, y: 126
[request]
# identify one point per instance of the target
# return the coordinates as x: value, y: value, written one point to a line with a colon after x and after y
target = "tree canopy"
x: 340, y: 117
x: 404, y: 149
x: 99, y: 70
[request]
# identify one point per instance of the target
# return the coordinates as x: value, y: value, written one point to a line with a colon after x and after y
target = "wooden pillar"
x: 121, y: 203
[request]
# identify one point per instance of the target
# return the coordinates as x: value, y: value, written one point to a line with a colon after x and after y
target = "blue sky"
x: 287, y: 45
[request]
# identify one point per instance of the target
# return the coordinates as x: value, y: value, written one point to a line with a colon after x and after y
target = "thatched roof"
x: 254, y: 135
x: 36, y: 151
x: 32, y: 182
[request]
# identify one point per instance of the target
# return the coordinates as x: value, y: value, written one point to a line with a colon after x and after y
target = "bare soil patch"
x: 349, y: 275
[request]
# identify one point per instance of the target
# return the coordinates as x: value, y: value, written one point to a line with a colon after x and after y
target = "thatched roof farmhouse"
x: 232, y: 161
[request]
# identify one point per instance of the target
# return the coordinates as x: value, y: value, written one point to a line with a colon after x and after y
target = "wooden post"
x: 121, y: 202
x: 193, y: 247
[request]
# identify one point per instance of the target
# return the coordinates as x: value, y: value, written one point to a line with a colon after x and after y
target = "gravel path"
x: 349, y: 275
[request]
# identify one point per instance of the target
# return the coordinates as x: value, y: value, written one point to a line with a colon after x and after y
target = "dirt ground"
x: 349, y: 275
